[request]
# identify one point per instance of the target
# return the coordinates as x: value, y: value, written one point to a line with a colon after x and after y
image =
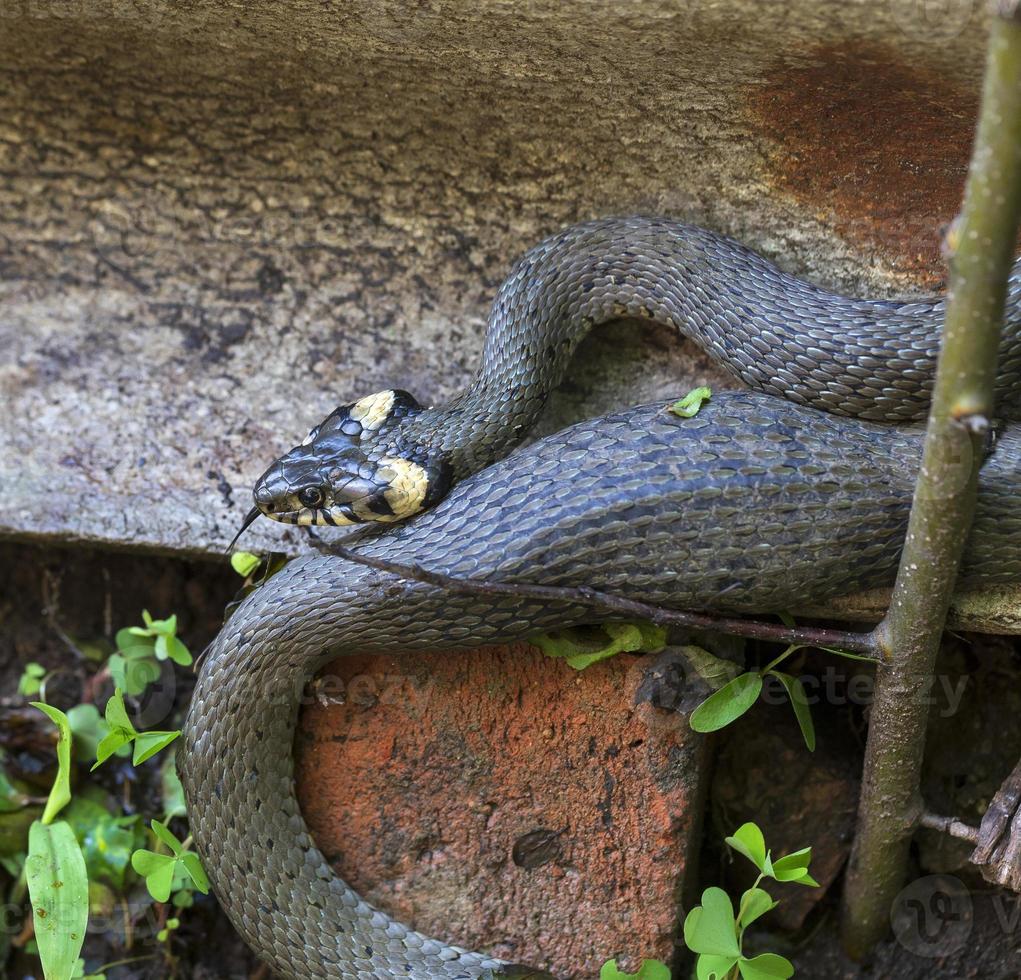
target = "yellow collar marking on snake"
x: 409, y: 483
x: 373, y: 410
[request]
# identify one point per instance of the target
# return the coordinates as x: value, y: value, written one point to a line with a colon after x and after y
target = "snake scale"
x: 757, y: 503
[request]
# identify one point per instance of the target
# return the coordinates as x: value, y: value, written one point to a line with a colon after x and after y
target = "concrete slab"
x: 219, y: 220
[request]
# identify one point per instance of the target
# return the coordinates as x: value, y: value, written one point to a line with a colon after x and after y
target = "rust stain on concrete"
x: 875, y: 144
x: 501, y: 800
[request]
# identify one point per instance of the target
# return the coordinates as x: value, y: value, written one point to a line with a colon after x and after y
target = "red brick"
x: 419, y: 785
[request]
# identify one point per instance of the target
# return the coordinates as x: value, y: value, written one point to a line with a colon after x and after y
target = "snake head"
x: 349, y: 471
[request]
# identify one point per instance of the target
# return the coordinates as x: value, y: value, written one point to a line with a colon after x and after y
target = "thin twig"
x: 949, y: 825
x: 980, y: 246
x: 861, y: 643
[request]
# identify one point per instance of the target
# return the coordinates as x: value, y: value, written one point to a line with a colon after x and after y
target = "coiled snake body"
x: 758, y: 503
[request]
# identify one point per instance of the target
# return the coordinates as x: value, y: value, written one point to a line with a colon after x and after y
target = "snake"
x: 790, y: 489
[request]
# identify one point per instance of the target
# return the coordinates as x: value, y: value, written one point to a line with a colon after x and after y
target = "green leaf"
x: 31, y: 678
x: 715, y: 671
x: 87, y: 727
x: 754, y: 903
x: 583, y: 646
x: 794, y: 866
x: 649, y: 970
x: 110, y: 743
x: 748, y: 840
x: 157, y: 870
x: 147, y: 744
x: 690, y: 404
x: 117, y: 714
x: 80, y: 974
x: 172, y: 790
x: 727, y: 704
x: 145, y: 862
x: 60, y: 791
x: 164, y: 933
x: 714, y: 967
x: 147, y: 652
x: 96, y: 652
x: 193, y: 865
x: 244, y: 563
x: 178, y: 652
x: 133, y: 637
x: 799, y: 702
x: 59, y: 889
x: 710, y: 927
x: 167, y: 836
x: 162, y: 627
x: 766, y: 966
x: 117, y: 665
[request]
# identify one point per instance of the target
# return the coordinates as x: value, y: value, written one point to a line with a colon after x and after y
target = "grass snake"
x: 756, y: 504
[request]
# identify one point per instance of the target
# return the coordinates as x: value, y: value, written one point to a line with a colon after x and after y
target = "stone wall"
x: 218, y: 220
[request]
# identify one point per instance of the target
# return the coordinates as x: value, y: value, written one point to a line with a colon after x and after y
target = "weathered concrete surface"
x: 217, y: 220
x: 502, y: 800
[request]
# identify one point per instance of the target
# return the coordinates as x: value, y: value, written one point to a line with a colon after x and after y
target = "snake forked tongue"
x: 245, y: 525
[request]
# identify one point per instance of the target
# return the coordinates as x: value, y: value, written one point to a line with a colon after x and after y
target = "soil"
x: 54, y: 604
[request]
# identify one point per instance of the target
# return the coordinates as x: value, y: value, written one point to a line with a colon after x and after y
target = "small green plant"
x: 58, y: 884
x: 738, y: 695
x: 80, y: 852
x: 716, y: 933
x: 649, y: 970
x: 140, y: 649
x: 31, y: 680
x: 121, y: 732
x: 583, y: 646
x: 160, y: 870
x: 244, y: 563
x: 164, y: 934
x: 689, y: 406
x: 256, y: 570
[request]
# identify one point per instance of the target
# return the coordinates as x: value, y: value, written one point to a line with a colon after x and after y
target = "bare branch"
x: 860, y: 643
x: 949, y: 825
x: 980, y: 246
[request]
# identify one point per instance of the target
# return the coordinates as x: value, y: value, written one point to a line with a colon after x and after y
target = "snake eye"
x: 310, y: 496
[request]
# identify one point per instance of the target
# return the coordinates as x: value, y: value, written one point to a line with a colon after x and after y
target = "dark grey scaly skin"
x: 756, y: 504
x: 867, y: 358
